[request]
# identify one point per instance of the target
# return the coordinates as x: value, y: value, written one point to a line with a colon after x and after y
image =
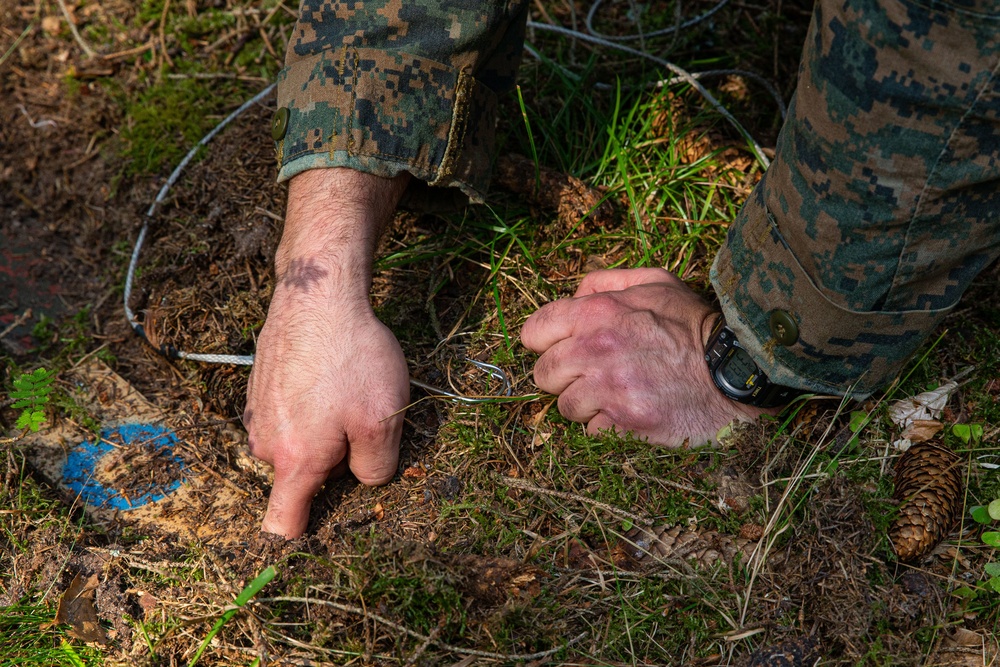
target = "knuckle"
x: 601, y: 307
x: 659, y: 274
x: 603, y: 342
x: 542, y: 372
x: 371, y: 430
x: 287, y: 455
x: 635, y: 414
x: 593, y: 277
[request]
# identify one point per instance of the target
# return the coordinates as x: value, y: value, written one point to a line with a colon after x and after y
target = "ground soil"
x: 68, y: 218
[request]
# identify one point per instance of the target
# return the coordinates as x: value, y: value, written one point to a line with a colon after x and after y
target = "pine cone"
x: 929, y: 488
x: 678, y: 542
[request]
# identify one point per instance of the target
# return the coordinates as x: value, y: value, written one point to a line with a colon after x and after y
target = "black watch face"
x: 739, y: 372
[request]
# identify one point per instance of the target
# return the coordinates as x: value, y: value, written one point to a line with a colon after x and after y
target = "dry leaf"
x: 922, y: 430
x: 379, y: 512
x: 966, y: 637
x: 148, y: 603
x: 927, y: 405
x: 414, y: 472
x: 965, y: 648
x: 540, y: 438
x: 76, y: 609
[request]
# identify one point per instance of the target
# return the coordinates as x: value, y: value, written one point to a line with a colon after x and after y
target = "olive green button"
x: 784, y: 328
x: 279, y: 124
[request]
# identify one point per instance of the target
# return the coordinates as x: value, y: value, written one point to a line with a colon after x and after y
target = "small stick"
x: 76, y: 34
x: 131, y: 52
x: 412, y: 660
x: 163, y: 37
x: 17, y: 41
x: 611, y: 509
x: 25, y: 316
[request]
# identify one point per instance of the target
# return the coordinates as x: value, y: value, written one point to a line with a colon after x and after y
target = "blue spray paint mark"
x: 79, y: 470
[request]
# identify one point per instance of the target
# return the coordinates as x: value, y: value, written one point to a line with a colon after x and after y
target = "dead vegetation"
x: 508, y: 536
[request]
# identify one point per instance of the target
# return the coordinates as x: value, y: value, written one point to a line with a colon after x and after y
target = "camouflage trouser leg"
x: 384, y: 87
x: 883, y: 202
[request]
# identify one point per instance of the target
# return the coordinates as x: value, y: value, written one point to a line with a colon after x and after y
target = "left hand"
x: 627, y: 352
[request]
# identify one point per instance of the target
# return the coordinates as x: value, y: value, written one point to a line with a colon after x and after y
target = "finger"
x: 611, y: 280
x: 373, y: 449
x: 560, y: 366
x: 601, y: 422
x: 291, y: 497
x: 580, y: 402
x: 550, y: 324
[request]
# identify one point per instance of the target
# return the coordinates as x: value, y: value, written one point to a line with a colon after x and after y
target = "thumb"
x: 291, y: 497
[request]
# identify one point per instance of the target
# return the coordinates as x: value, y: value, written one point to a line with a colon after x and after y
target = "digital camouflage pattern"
x: 881, y: 205
x: 387, y: 86
x: 883, y: 201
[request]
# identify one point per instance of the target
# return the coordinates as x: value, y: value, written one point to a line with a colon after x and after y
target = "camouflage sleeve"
x: 883, y: 201
x: 385, y: 86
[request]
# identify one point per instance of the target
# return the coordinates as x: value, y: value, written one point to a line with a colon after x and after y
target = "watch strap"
x: 757, y: 389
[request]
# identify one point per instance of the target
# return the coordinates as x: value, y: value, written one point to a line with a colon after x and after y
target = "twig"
x: 351, y: 609
x: 131, y: 52
x: 11, y: 440
x: 25, y: 316
x: 16, y: 42
x: 89, y: 355
x: 431, y: 638
x: 76, y: 33
x: 163, y: 37
x: 218, y: 75
x: 611, y: 509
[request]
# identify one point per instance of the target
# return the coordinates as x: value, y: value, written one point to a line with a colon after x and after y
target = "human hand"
x: 329, y: 382
x: 627, y: 352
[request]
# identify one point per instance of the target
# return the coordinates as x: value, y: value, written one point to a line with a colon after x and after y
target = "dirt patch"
x: 138, y: 470
x: 446, y: 550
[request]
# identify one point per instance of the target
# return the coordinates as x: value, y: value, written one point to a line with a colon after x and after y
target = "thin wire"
x: 589, y: 23
x: 170, y: 351
x: 681, y: 73
x: 494, y: 371
x: 600, y: 85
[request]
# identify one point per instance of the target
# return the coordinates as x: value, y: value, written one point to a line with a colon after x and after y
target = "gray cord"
x: 709, y: 73
x: 589, y: 23
x: 681, y: 73
x: 705, y: 74
x: 169, y: 351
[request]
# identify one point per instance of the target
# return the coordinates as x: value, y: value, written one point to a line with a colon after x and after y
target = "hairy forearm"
x: 333, y: 222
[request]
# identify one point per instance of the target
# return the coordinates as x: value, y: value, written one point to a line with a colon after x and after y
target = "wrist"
x: 333, y: 222
x: 737, y: 374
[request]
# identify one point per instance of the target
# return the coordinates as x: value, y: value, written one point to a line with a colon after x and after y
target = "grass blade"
x: 251, y: 590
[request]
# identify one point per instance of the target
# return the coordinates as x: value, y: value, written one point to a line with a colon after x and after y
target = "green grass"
x: 25, y: 639
x: 491, y: 266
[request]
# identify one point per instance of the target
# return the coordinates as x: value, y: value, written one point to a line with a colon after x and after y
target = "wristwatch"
x: 737, y: 375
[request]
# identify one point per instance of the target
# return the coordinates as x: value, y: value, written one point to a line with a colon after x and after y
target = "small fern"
x: 31, y: 395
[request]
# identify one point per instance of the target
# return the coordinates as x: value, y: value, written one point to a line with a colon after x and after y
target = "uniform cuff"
x: 386, y: 112
x: 759, y: 281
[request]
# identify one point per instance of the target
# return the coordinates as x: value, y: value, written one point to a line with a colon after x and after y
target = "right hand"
x: 329, y: 382
x: 324, y: 384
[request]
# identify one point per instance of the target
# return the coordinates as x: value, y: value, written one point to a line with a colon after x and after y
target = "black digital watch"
x: 737, y: 375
